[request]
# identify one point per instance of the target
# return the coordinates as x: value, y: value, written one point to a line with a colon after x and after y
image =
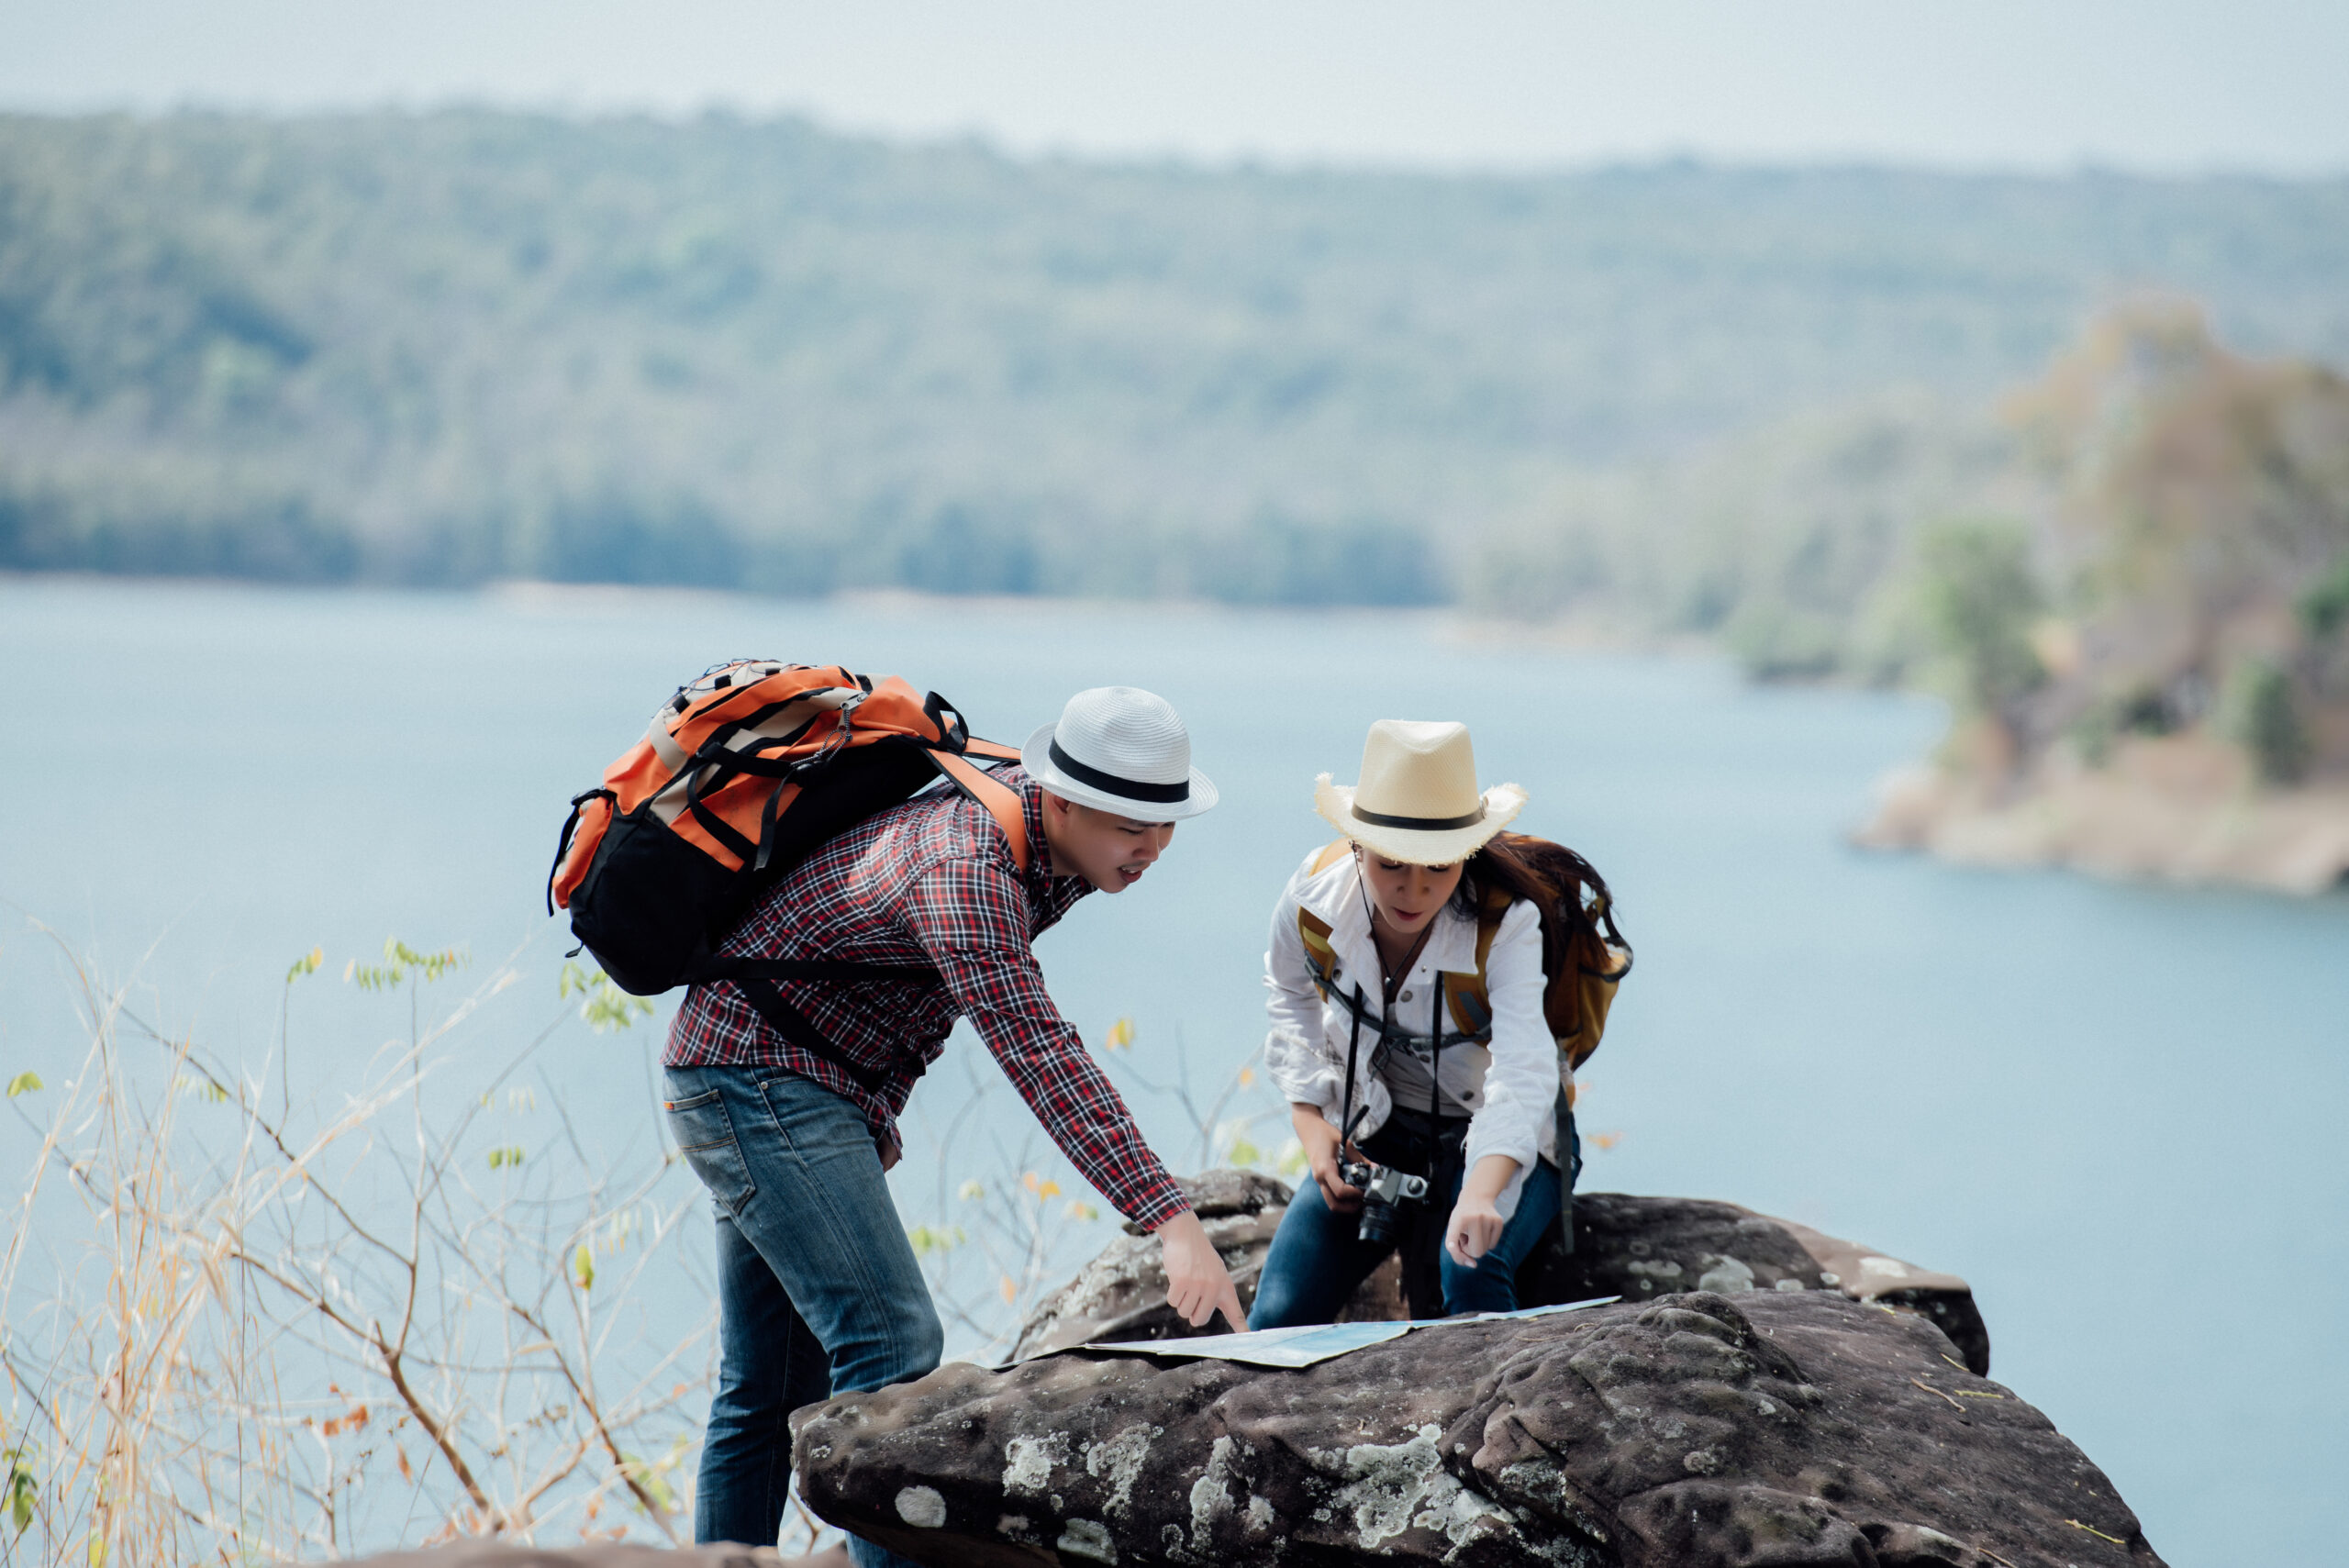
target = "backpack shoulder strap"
x: 1488, y: 926
x: 1001, y: 801
x: 1470, y: 995
x: 1314, y: 931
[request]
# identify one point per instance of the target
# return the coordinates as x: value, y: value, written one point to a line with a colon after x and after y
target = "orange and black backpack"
x: 740, y: 775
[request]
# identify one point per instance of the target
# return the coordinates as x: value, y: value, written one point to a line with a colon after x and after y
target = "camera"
x: 1381, y: 1188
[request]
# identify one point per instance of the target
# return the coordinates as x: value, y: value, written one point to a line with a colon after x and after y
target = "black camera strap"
x: 1435, y: 1054
x: 1346, y: 1105
x: 1390, y: 1032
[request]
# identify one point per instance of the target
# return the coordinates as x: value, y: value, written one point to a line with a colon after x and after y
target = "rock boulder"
x: 1635, y: 1247
x: 1762, y: 1427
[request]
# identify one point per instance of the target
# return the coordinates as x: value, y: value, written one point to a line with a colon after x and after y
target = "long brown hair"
x: 1557, y: 882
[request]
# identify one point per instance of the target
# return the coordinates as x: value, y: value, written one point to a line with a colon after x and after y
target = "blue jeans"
x: 818, y: 1290
x: 1317, y: 1260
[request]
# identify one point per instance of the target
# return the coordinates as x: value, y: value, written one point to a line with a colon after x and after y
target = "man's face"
x: 1108, y: 850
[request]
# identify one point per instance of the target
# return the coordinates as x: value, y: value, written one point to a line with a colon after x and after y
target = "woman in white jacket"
x: 1381, y: 1047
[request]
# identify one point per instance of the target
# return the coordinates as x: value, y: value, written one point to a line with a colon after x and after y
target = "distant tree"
x: 2257, y: 712
x: 1978, y: 599
x: 448, y: 347
x: 2324, y: 608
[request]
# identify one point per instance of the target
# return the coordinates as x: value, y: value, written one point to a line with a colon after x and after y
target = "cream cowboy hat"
x: 1122, y: 749
x: 1418, y: 801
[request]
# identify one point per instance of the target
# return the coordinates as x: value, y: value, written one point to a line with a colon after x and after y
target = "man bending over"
x: 783, y: 1097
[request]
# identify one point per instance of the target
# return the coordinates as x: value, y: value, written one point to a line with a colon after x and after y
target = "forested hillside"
x: 447, y: 348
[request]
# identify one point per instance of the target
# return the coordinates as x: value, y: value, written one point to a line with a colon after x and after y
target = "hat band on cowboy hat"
x: 1420, y: 824
x: 1120, y: 750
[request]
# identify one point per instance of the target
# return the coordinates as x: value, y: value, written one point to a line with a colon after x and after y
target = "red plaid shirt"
x: 930, y: 882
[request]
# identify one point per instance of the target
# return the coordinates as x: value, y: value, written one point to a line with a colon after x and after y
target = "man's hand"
x: 1198, y: 1286
x: 1320, y: 1140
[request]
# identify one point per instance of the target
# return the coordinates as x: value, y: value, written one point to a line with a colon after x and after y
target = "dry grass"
x: 239, y: 1332
x: 236, y: 1330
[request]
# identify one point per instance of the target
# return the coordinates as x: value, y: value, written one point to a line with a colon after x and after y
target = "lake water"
x: 2116, y: 1110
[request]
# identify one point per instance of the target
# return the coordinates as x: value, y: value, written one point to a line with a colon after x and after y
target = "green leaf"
x: 198, y: 1084
x: 928, y: 1238
x: 22, y: 1083
x: 404, y: 959
x: 21, y: 1489
x: 582, y: 1266
x: 608, y: 1007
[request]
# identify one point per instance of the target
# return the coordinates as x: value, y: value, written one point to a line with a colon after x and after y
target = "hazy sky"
x: 2149, y: 85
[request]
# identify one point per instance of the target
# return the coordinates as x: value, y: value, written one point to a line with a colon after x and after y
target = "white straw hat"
x: 1418, y: 801
x: 1121, y: 749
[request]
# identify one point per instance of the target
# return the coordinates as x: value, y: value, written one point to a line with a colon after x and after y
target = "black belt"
x: 1445, y: 1131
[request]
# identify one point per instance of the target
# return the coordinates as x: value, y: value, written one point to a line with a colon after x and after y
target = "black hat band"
x: 1129, y: 789
x: 1420, y: 824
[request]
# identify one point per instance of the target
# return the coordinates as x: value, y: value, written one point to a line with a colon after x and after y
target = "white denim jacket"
x: 1511, y: 1088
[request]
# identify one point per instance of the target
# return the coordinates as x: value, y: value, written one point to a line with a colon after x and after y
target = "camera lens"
x: 1378, y: 1223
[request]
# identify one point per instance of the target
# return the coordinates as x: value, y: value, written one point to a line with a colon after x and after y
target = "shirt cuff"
x: 1322, y: 1087
x: 1157, y: 1204
x: 1520, y: 1145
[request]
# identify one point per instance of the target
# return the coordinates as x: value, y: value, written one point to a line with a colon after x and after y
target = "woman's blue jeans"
x: 1317, y: 1260
x: 818, y: 1290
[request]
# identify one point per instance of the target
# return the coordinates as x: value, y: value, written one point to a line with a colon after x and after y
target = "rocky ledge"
x: 1764, y: 1428
x: 1635, y: 1247
x: 1762, y: 1394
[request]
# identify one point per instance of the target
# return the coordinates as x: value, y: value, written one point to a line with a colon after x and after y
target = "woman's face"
x: 1406, y: 897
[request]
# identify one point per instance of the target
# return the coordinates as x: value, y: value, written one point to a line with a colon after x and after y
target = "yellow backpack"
x: 1585, y: 959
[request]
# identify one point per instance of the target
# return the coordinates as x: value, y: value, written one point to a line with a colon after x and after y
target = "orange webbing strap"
x: 1002, y: 802
x: 1330, y: 856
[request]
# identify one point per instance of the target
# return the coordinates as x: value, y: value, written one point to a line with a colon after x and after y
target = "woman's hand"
x: 1475, y: 1224
x: 1320, y: 1140
x: 1197, y: 1285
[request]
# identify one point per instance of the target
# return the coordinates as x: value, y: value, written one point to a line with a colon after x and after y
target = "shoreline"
x: 2178, y: 810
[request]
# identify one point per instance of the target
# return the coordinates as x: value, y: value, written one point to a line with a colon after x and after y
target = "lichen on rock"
x: 1754, y: 1428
